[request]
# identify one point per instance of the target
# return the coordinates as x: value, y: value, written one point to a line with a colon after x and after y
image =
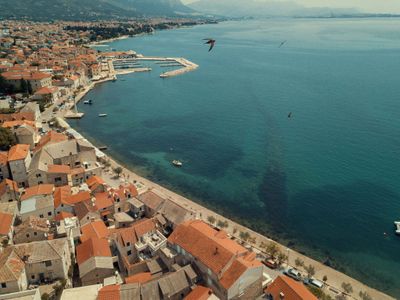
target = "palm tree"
x: 310, y: 271
x: 272, y: 249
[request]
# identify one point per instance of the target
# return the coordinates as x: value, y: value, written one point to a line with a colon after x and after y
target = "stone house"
x: 33, y: 229
x: 9, y: 191
x: 19, y: 159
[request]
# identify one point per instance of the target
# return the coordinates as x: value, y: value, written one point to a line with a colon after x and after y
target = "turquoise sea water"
x: 326, y: 181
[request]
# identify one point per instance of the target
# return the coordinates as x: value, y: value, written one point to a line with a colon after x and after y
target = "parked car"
x: 293, y: 273
x: 270, y: 263
x: 314, y: 282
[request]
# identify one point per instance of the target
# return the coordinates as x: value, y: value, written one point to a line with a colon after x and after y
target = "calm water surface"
x: 326, y: 181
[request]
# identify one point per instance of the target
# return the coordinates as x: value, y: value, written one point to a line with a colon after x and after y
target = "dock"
x: 188, y: 66
x: 74, y: 115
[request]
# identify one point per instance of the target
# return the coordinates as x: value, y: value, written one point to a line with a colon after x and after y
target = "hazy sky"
x: 376, y: 6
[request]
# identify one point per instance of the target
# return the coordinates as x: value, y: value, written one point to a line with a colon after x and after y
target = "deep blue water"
x: 326, y: 181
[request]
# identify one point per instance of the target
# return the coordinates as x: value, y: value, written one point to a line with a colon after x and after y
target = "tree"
x: 45, y: 296
x: 325, y: 278
x: 365, y: 296
x: 281, y: 258
x: 211, y: 219
x: 235, y: 230
x: 347, y: 287
x: 263, y: 245
x: 244, y: 235
x: 272, y: 249
x: 310, y: 270
x: 118, y: 171
x: 4, y: 243
x: 7, y: 139
x: 222, y: 224
x: 24, y: 86
x: 252, y: 239
x: 299, y: 263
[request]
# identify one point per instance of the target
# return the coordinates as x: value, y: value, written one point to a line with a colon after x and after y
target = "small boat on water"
x: 177, y: 163
x: 88, y: 101
x: 102, y: 115
x: 103, y: 148
x: 397, y: 225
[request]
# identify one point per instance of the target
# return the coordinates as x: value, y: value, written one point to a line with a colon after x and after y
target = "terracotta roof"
x: 61, y: 195
x: 46, y: 91
x: 16, y: 123
x: 5, y: 223
x: 199, y: 293
x: 51, y: 137
x: 94, y: 181
x: 33, y: 222
x: 29, y: 116
x: 11, y: 266
x: 41, y: 189
x: 96, y: 229
x: 77, y: 198
x: 132, y: 234
x: 109, y: 292
x: 214, y: 249
x: 3, y: 157
x: 104, y: 200
x: 63, y: 215
x: 292, y: 289
x: 8, y: 185
x: 18, y: 152
x: 91, y: 248
x: 139, y: 278
x: 59, y: 169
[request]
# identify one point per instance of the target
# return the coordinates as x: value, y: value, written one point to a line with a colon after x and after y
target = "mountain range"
x: 90, y: 9
x: 264, y: 8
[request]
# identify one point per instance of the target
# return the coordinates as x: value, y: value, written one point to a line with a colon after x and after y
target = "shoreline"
x: 335, y: 278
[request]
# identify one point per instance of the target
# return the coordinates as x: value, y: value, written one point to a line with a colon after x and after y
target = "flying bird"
x: 290, y: 115
x: 211, y: 42
x: 283, y: 43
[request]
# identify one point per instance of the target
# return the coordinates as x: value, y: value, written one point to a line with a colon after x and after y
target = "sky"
x: 373, y: 6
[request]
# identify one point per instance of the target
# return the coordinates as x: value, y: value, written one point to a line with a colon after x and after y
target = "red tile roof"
x: 104, y: 200
x: 51, y: 137
x: 224, y: 257
x: 5, y: 223
x: 109, y: 292
x: 41, y: 189
x: 61, y: 195
x: 8, y: 185
x: 199, y: 293
x: 91, y: 248
x: 96, y: 229
x: 139, y: 278
x: 63, y: 215
x: 62, y: 169
x: 77, y: 198
x: 94, y: 181
x: 292, y: 289
x: 3, y: 157
x: 18, y: 152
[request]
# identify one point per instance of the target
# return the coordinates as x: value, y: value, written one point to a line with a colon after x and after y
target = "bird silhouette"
x: 211, y: 42
x: 290, y: 115
x: 283, y: 43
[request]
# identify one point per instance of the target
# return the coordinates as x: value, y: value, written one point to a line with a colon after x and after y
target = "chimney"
x: 281, y: 296
x: 216, y: 251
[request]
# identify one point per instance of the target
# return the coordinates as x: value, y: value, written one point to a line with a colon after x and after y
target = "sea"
x: 301, y: 142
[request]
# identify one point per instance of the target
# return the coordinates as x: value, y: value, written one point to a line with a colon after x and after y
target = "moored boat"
x: 397, y: 225
x: 177, y: 163
x: 102, y: 115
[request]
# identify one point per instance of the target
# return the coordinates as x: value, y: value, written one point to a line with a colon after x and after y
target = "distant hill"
x: 262, y: 8
x: 89, y: 9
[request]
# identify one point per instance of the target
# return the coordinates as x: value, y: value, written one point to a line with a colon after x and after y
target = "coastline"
x: 335, y: 278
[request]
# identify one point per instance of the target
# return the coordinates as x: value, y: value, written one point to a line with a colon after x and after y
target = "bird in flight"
x: 290, y: 115
x: 211, y: 42
x: 283, y: 43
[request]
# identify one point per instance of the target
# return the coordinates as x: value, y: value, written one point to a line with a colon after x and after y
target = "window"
x: 57, y: 179
x: 128, y: 244
x: 33, y: 276
x: 129, y: 252
x: 47, y: 263
x: 38, y: 175
x: 27, y: 235
x: 41, y: 216
x: 3, y: 285
x: 49, y: 213
x: 35, y: 233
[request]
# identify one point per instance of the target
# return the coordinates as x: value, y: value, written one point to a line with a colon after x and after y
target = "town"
x: 76, y: 225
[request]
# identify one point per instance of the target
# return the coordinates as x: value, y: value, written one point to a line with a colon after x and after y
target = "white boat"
x: 177, y: 163
x: 87, y: 102
x: 102, y: 115
x: 397, y: 225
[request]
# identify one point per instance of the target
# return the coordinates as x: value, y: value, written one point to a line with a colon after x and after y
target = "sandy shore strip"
x: 100, y: 43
